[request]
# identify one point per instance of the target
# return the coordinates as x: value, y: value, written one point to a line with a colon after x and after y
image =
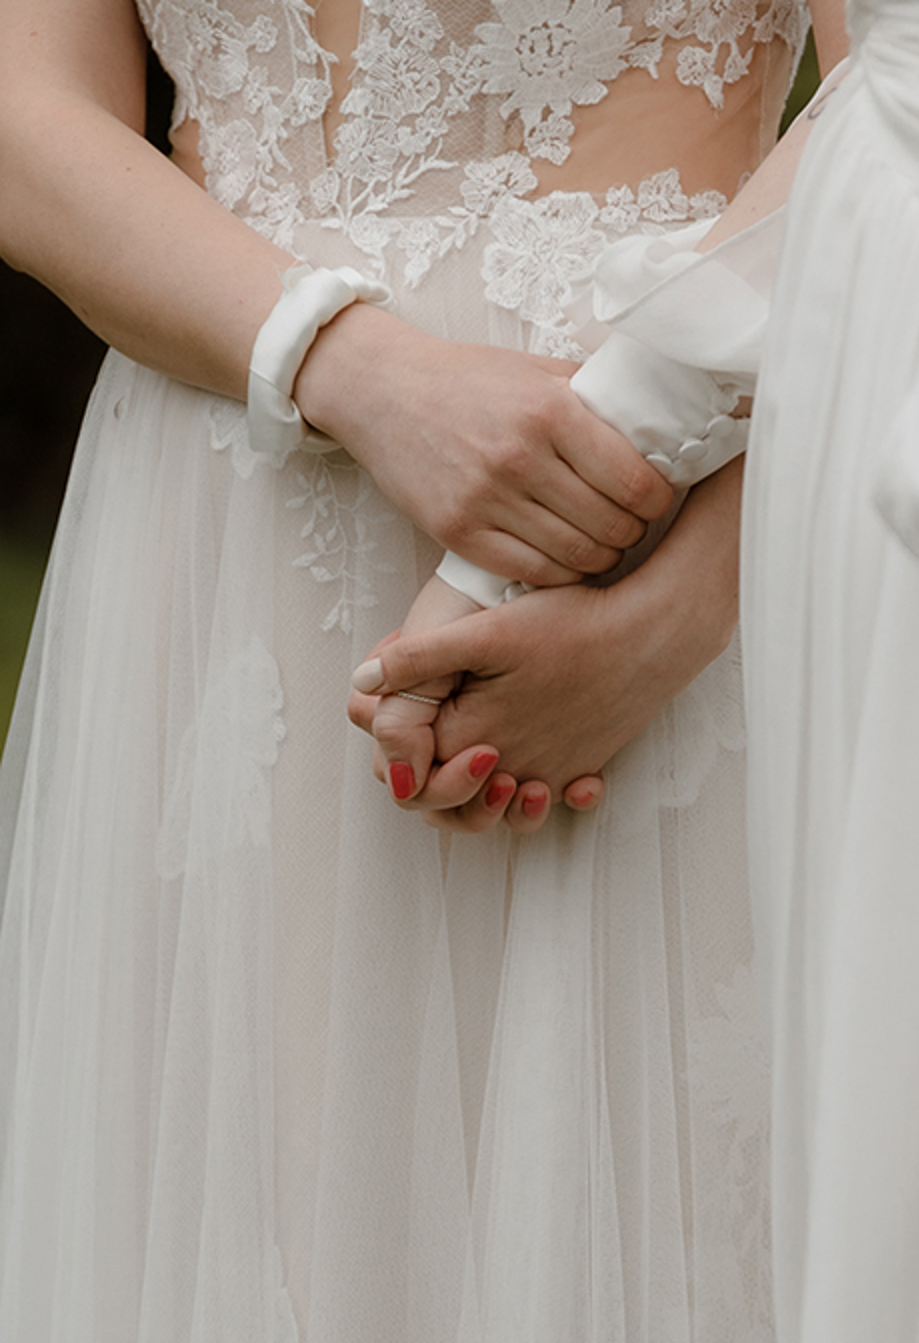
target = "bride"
x: 278, y: 1062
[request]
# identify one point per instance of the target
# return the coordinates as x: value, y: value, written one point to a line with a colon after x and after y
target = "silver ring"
x: 419, y: 699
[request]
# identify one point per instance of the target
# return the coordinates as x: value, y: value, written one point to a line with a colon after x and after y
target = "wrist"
x: 332, y: 379
x: 689, y: 586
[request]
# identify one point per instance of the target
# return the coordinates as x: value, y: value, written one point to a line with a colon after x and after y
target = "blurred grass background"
x: 48, y: 361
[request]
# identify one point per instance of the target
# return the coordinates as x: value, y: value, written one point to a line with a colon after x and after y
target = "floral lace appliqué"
x: 220, y: 798
x: 339, y: 518
x: 547, y: 58
x: 258, y: 83
x: 338, y: 532
x: 218, y: 61
x: 543, y: 247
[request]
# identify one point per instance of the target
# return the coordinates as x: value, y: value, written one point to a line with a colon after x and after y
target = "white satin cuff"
x: 310, y: 300
x: 478, y: 584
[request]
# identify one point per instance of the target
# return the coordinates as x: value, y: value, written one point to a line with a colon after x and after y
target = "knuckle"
x: 453, y: 527
x: 640, y: 490
x: 512, y: 459
x: 624, y: 530
x: 388, y: 731
x: 582, y: 554
x: 542, y: 408
x: 535, y: 569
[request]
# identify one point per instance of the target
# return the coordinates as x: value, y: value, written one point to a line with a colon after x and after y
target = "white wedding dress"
x: 279, y: 1063
x: 831, y: 630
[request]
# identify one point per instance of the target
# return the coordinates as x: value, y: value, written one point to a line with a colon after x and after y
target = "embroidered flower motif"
x: 551, y: 56
x: 660, y: 199
x: 621, y: 210
x: 421, y: 240
x: 413, y: 19
x: 233, y: 160
x: 324, y: 189
x: 337, y: 503
x: 254, y: 86
x: 539, y: 248
x: 399, y: 80
x: 229, y: 432
x: 364, y: 151
x: 487, y: 182
x: 220, y: 798
x: 719, y: 25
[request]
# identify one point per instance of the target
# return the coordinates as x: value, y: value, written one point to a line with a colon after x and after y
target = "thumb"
x: 411, y: 661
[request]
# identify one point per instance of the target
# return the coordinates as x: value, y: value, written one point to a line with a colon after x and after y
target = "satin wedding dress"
x: 831, y: 636
x: 279, y: 1063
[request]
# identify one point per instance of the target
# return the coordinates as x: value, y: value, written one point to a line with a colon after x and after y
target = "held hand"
x: 564, y: 678
x: 404, y: 728
x: 467, y: 793
x: 546, y: 685
x: 487, y: 450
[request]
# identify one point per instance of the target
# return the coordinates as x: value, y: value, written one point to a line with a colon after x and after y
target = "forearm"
x: 145, y: 258
x: 88, y: 207
x: 692, y: 576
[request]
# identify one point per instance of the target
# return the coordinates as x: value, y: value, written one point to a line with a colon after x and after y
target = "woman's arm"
x: 706, y: 531
x: 525, y: 479
x: 562, y: 679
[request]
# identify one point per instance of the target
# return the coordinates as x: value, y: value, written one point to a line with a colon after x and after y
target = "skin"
x: 546, y: 684
x: 560, y: 680
x: 537, y: 486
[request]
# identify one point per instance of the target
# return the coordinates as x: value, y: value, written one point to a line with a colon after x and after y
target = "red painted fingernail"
x: 498, y: 795
x: 581, y: 799
x: 483, y: 764
x: 402, y: 780
x: 532, y: 806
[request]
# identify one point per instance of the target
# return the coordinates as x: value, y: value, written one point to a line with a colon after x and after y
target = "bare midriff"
x: 643, y: 126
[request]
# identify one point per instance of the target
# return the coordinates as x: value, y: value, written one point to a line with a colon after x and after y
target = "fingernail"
x: 483, y: 764
x: 402, y: 780
x: 581, y: 799
x: 368, y: 677
x: 532, y: 806
x: 498, y: 795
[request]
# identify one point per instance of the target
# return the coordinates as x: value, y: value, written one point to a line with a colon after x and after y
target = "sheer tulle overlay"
x: 279, y: 1062
x: 832, y: 626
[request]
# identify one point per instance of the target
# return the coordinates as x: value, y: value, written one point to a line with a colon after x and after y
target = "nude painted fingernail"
x: 368, y: 677
x: 498, y: 795
x: 483, y: 763
x: 402, y: 780
x: 532, y: 806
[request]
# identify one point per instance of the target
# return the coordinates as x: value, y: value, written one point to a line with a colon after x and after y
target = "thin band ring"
x: 419, y: 699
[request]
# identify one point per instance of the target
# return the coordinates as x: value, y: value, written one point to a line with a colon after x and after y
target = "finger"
x: 482, y: 813
x: 451, y: 784
x: 361, y: 710
x: 577, y: 527
x: 461, y: 646
x: 501, y: 552
x: 584, y: 794
x: 530, y: 808
x: 605, y: 459
x: 403, y: 730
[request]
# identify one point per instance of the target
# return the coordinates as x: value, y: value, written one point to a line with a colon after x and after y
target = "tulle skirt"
x: 831, y: 626
x: 280, y: 1063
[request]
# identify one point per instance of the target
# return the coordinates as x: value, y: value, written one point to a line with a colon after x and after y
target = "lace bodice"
x: 453, y: 108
